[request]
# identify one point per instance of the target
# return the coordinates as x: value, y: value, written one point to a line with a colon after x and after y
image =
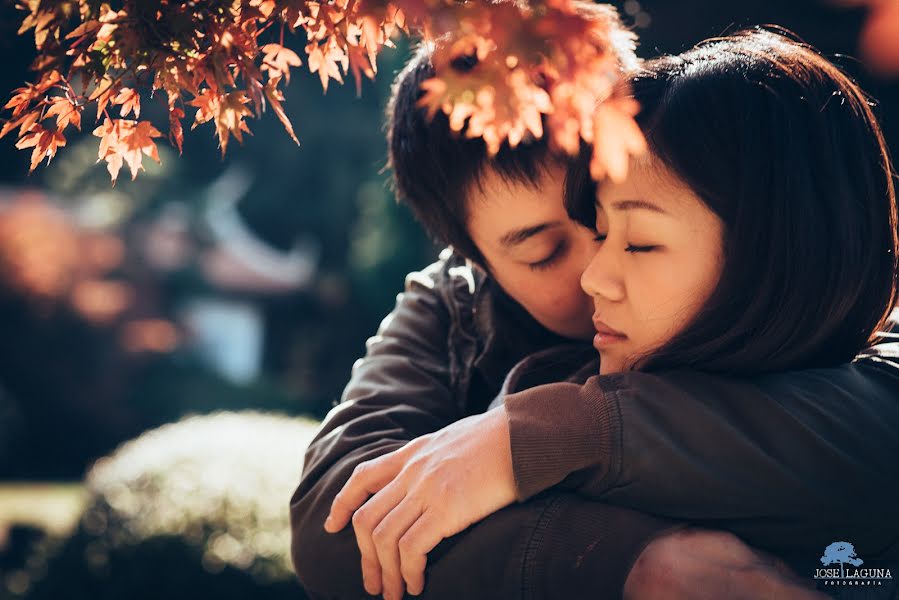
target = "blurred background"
x: 167, y: 346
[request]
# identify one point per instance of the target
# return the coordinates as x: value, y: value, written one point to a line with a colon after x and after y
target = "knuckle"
x: 380, y: 535
x: 360, y: 470
x: 361, y: 519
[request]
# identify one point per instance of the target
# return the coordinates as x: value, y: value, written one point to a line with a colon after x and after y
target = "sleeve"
x: 399, y: 391
x: 555, y: 546
x: 794, y: 449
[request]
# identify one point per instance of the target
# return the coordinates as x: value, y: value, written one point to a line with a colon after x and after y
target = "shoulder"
x: 571, y: 362
x: 449, y: 272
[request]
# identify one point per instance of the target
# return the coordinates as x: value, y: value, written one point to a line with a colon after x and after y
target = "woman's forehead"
x: 651, y: 181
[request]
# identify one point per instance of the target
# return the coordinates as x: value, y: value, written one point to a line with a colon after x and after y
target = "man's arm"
x: 401, y: 390
x: 782, y: 460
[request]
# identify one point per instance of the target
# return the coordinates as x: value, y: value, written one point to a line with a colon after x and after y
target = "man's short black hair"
x: 434, y: 168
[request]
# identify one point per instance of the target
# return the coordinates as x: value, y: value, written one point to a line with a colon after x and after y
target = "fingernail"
x: 329, y: 522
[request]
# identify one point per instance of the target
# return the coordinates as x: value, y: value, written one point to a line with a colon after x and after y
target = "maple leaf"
x: 325, y: 63
x: 275, y: 97
x: 102, y: 94
x: 44, y: 141
x: 230, y: 118
x: 65, y: 113
x: 548, y: 63
x: 361, y: 63
x: 123, y: 140
x: 278, y: 60
x: 616, y: 138
x: 24, y: 123
x: 108, y: 20
x: 207, y: 103
x: 22, y: 98
x: 434, y: 96
x: 130, y: 101
x: 139, y: 142
x: 108, y: 133
x: 176, y: 133
x: 266, y: 7
x: 41, y: 21
x: 84, y: 29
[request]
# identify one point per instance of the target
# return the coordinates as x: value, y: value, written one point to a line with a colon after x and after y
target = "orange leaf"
x: 84, y: 29
x: 102, y: 94
x: 125, y: 140
x: 176, y: 133
x: 208, y: 104
x: 24, y: 123
x: 278, y: 60
x: 275, y: 97
x: 230, y: 118
x: 325, y: 64
x: 22, y: 98
x: 45, y: 143
x: 616, y: 138
x: 65, y: 113
x: 130, y: 101
x: 139, y: 141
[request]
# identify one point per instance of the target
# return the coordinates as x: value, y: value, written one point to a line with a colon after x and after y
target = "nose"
x: 603, y: 276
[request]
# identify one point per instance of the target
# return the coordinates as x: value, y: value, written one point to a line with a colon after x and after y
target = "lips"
x: 605, y: 330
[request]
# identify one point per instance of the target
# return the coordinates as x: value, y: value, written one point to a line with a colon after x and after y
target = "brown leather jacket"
x: 789, y: 462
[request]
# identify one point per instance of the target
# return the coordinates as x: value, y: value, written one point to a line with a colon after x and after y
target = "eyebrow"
x: 637, y: 204
x: 517, y: 236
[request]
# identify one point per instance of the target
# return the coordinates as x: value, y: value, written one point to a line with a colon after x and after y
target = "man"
x: 511, y: 288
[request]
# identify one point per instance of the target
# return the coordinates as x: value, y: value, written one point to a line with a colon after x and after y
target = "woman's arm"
x: 776, y: 456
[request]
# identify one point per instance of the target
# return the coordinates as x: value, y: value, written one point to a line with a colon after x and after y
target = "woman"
x: 769, y: 173
x: 762, y: 225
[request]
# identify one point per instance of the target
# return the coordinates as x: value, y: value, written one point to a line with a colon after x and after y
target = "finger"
x: 365, y: 520
x: 368, y: 478
x: 414, y: 546
x: 386, y: 537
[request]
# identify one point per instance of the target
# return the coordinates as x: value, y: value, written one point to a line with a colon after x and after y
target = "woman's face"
x: 533, y: 249
x: 658, y: 261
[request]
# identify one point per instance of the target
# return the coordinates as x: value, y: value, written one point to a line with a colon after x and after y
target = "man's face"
x: 533, y: 249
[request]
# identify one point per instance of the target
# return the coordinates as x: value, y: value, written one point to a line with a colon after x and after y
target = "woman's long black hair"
x: 785, y: 149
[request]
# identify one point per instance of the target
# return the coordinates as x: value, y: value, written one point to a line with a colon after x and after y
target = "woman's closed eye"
x: 630, y: 247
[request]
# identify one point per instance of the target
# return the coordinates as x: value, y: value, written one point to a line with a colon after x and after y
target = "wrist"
x: 503, y: 450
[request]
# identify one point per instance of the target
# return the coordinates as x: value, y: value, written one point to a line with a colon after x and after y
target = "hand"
x: 698, y: 564
x: 430, y: 489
